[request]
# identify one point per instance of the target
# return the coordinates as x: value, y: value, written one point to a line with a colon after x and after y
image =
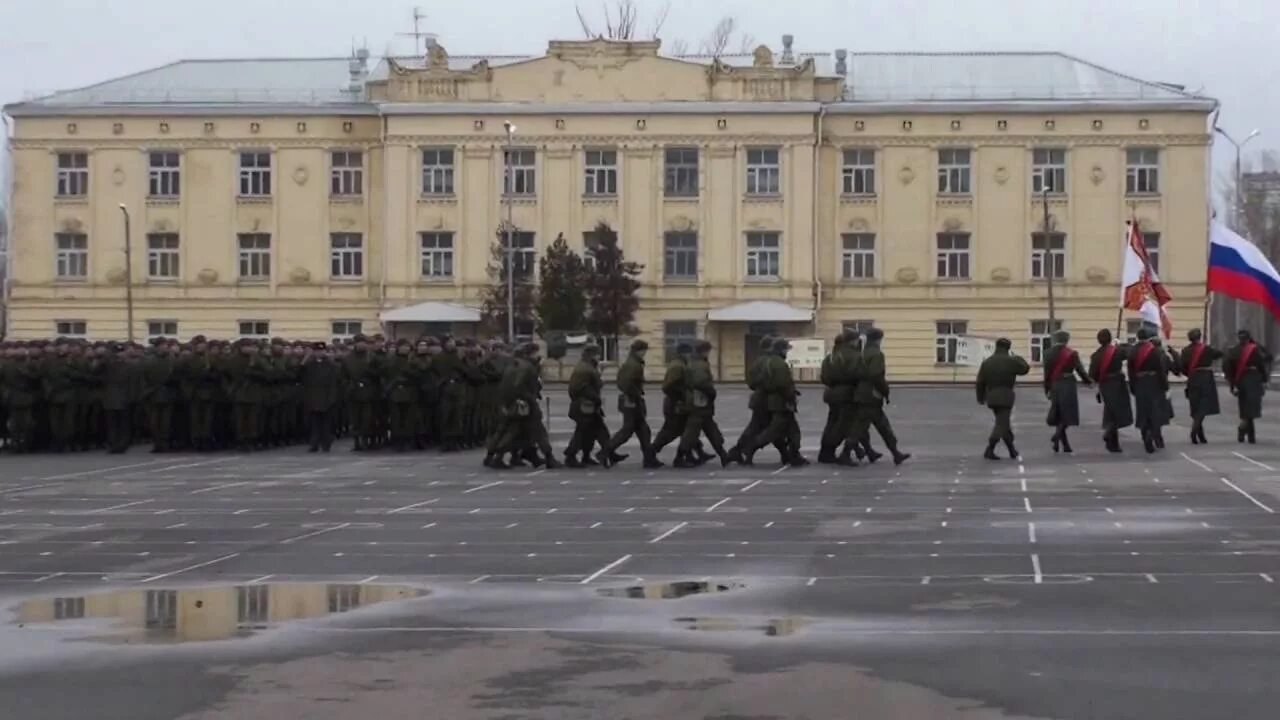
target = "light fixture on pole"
x: 1237, y: 211
x: 128, y: 275
x: 509, y: 234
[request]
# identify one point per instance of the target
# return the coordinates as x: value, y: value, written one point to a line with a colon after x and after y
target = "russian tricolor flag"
x: 1238, y: 269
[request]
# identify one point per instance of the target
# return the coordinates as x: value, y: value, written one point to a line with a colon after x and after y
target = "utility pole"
x: 509, y: 236
x: 128, y: 275
x: 1237, y: 212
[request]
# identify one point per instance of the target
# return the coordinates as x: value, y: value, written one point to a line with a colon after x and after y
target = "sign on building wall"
x: 972, y: 350
x: 807, y: 353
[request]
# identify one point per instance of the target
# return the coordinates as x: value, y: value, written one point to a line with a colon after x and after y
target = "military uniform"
x: 870, y: 396
x: 997, y: 377
x: 587, y: 411
x: 452, y: 396
x: 400, y: 380
x: 117, y: 380
x: 1061, y: 367
x: 631, y: 406
x: 780, y: 398
x: 1107, y: 371
x: 674, y: 412
x: 700, y: 402
x: 321, y: 396
x: 758, y: 403
x: 1149, y: 383
x: 161, y: 382
x: 249, y: 375
x: 22, y: 392
x: 1248, y: 370
x: 202, y: 384
x: 1197, y: 361
x: 362, y: 371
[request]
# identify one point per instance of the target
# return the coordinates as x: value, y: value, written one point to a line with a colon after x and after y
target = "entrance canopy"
x: 760, y: 311
x: 432, y: 312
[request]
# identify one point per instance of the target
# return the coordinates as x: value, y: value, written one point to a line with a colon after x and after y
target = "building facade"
x: 771, y: 193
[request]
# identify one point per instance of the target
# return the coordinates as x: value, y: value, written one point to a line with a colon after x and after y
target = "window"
x: 255, y: 174
x: 523, y: 253
x: 341, y: 330
x: 255, y: 329
x: 437, y: 255
x: 675, y: 332
x: 947, y: 334
x: 1142, y: 171
x: 68, y: 608
x: 1055, y: 248
x: 71, y: 328
x: 589, y: 245
x: 681, y: 179
x: 346, y: 174
x: 162, y: 256
x: 1048, y: 169
x: 858, y: 258
x: 1131, y: 328
x: 763, y: 172
x: 520, y: 172
x: 953, y: 171
x: 437, y: 171
x: 71, y: 260
x: 859, y: 172
x: 680, y: 256
x: 255, y: 256
x: 162, y: 329
x: 346, y: 256
x: 602, y: 172
x: 343, y: 598
x: 164, y: 174
x: 1152, y: 241
x: 763, y: 255
x: 1042, y: 338
x: 73, y: 174
x: 252, y: 602
x: 608, y: 347
x: 162, y: 610
x: 858, y: 327
x: 953, y: 256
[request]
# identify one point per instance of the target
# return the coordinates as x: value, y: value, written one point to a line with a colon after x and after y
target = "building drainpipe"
x: 817, y: 177
x: 386, y: 237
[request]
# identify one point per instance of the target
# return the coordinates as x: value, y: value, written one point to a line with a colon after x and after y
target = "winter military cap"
x: 683, y: 348
x: 590, y: 349
x: 875, y: 334
x: 766, y: 342
x: 781, y: 345
x: 702, y: 346
x: 1004, y: 343
x: 1062, y: 336
x: 638, y: 345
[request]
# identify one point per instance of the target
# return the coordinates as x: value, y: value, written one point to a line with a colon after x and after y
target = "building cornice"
x: 1048, y: 106
x: 19, y: 110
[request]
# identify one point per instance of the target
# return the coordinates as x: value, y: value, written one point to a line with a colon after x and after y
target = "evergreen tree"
x: 562, y: 289
x: 612, y: 286
x: 494, y: 297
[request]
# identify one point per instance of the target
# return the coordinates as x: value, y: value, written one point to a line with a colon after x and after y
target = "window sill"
x: 520, y: 199
x: 762, y: 280
x: 1150, y: 197
x: 680, y: 281
x: 346, y: 199
x: 438, y: 198
x: 253, y: 282
x: 957, y: 199
x: 71, y: 199
x: 436, y: 280
x: 162, y: 281
x: 953, y: 281
x: 860, y: 281
x: 163, y: 200
x: 859, y: 198
x: 762, y: 197
x: 70, y: 280
x: 595, y: 199
x: 347, y: 280
x: 680, y: 198
x: 254, y: 199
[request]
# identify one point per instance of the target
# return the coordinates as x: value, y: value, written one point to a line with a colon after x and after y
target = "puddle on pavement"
x: 668, y: 591
x: 777, y: 627
x: 200, y: 614
x: 963, y: 603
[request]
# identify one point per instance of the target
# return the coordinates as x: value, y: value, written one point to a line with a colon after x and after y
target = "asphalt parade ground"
x: 422, y: 585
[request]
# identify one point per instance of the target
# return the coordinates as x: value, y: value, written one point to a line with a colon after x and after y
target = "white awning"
x: 432, y: 312
x: 760, y: 311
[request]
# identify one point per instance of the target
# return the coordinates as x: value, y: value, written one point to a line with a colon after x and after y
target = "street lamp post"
x: 1237, y: 212
x: 128, y: 275
x: 509, y: 239
x: 1049, y: 263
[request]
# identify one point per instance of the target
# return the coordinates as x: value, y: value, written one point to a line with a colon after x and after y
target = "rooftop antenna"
x: 425, y: 39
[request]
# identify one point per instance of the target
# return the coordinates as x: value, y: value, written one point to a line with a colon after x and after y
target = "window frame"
x: 437, y: 176
x: 1057, y: 255
x: 1055, y: 170
x: 254, y: 181
x: 764, y: 178
x: 164, y: 181
x: 770, y: 255
x: 438, y: 254
x: 943, y: 257
x: 523, y: 174
x: 160, y: 258
x: 1153, y: 249
x: 248, y: 254
x: 72, y: 179
x: 346, y: 256
x: 346, y: 179
x: 859, y: 256
x: 253, y: 333
x: 681, y: 179
x: 858, y: 178
x: 164, y: 323
x: 71, y: 331
x: 947, y: 342
x: 1035, y: 356
x: 335, y: 336
x: 1141, y: 177
x: 674, y: 257
x: 670, y: 341
x: 600, y: 167
x: 955, y: 178
x: 528, y: 260
x: 66, y: 259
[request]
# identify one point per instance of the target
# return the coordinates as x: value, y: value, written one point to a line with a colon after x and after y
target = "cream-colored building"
x: 775, y: 192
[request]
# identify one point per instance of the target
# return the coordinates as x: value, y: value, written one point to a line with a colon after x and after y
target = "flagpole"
x: 1208, y: 228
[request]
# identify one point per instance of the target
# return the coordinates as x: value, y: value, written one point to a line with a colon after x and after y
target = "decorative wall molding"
x: 1001, y: 275
x: 1096, y: 275
x: 1002, y: 175
x: 207, y: 276
x: 1097, y: 175
x: 906, y: 175
x: 300, y: 275
x: 117, y: 176
x: 301, y: 174
x: 907, y: 275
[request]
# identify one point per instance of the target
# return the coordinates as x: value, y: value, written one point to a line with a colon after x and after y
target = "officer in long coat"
x: 632, y: 407
x: 1197, y: 361
x: 996, y: 379
x: 1149, y: 383
x: 1061, y: 367
x: 1107, y: 371
x: 1248, y: 369
x: 838, y: 395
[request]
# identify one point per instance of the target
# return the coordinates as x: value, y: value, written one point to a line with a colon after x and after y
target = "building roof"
x: 918, y: 79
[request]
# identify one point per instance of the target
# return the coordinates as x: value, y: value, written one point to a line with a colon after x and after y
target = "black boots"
x: 990, y: 454
x: 1013, y: 451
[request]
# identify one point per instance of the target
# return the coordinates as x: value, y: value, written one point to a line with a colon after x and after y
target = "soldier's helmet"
x: 591, y: 349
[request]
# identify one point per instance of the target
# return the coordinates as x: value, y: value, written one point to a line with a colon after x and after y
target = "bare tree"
x: 621, y: 21
x: 717, y: 42
x: 677, y: 47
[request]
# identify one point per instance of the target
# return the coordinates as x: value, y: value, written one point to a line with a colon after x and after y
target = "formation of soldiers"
x: 1132, y: 385
x: 204, y: 395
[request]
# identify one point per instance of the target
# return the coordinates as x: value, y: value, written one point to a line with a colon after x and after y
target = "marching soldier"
x: 632, y: 407
x: 869, y: 399
x: 780, y: 391
x: 1106, y: 370
x: 674, y: 412
x: 758, y: 404
x: 115, y: 373
x: 838, y: 396
x: 996, y: 379
x: 1149, y: 383
x: 161, y: 377
x: 1061, y: 367
x: 700, y: 401
x: 249, y: 375
x: 1248, y: 370
x: 587, y: 411
x: 321, y: 396
x: 60, y: 389
x: 1197, y: 361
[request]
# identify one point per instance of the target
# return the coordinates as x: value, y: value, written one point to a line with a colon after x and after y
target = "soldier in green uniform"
x: 114, y: 370
x: 700, y: 404
x: 870, y: 396
x: 837, y: 395
x: 996, y: 379
x: 362, y: 373
x: 60, y: 389
x: 449, y: 368
x: 1061, y: 367
x: 1197, y: 361
x: 1149, y: 383
x: 758, y: 404
x: 321, y: 396
x: 586, y: 409
x: 781, y: 395
x: 22, y: 388
x: 1106, y: 370
x: 160, y: 375
x: 249, y: 374
x: 1247, y: 366
x: 402, y: 395
x: 428, y: 381
x: 631, y: 406
x: 201, y: 384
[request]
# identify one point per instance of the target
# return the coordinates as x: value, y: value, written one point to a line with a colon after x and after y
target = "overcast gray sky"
x: 1223, y: 48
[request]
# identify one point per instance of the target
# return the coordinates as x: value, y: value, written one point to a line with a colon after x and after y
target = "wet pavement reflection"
x: 668, y: 591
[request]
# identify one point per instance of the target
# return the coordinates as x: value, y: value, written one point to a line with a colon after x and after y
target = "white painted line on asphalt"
x: 1031, y: 532
x: 785, y: 511
x: 769, y: 524
x: 1196, y: 462
x: 781, y: 470
x: 1026, y: 502
x: 223, y: 486
x: 1035, y: 566
x: 240, y: 512
x: 1109, y: 510
x: 1022, y: 469
x: 29, y: 487
x: 628, y: 510
x: 752, y: 485
x: 1252, y: 499
x: 189, y: 568
x: 669, y: 533
x: 164, y: 512
x: 595, y: 525
x: 259, y: 526
x: 713, y: 507
x: 812, y: 581
x: 551, y: 511
x: 607, y: 568
x: 480, y: 579
x: 925, y: 580
x: 290, y: 541
x: 262, y: 579
x: 482, y: 487
x: 1024, y: 484
x: 506, y: 528
x: 175, y: 526
x: 317, y: 512
x: 50, y: 576
x: 536, y: 473
x: 1118, y: 524
x: 944, y: 523
x: 856, y: 523
x: 1152, y: 579
x: 411, y: 507
x: 1246, y: 458
x: 1266, y: 577
x: 368, y: 580
x: 97, y: 471
x: 473, y: 512
x: 428, y: 525
x: 191, y: 465
x: 120, y: 507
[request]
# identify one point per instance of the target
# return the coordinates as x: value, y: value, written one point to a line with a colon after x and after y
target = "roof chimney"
x: 788, y: 57
x: 358, y: 69
x: 842, y: 62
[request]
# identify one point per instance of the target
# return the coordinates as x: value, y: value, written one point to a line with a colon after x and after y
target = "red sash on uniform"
x: 1197, y: 351
x: 1108, y: 355
x: 1064, y: 359
x: 1246, y: 354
